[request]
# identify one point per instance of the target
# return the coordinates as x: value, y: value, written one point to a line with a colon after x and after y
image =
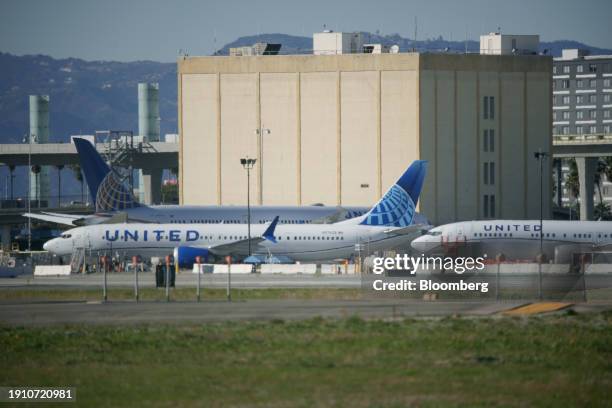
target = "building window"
x: 554, y: 69
x: 579, y: 130
x: 593, y: 98
x: 579, y: 115
x: 566, y: 100
x: 485, y: 172
x: 485, y: 205
x: 593, y: 83
x: 592, y: 68
x: 566, y: 69
x: 606, y: 114
x: 565, y: 84
x: 593, y: 129
x: 492, y: 203
x: 607, y: 98
x: 565, y: 130
x: 606, y: 129
x: 606, y: 82
x: 593, y: 114
x: 485, y: 141
x: 492, y: 173
x: 579, y: 99
x: 554, y: 116
x: 579, y: 68
x: 489, y: 107
x: 491, y: 140
x: 566, y: 115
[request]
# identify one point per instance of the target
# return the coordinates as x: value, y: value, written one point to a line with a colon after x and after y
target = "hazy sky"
x: 128, y: 30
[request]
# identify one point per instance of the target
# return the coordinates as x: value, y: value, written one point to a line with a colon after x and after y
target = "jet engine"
x: 186, y: 256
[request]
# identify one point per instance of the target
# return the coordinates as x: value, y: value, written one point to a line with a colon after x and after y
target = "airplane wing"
x: 339, y: 215
x: 237, y: 247
x: 242, y: 246
x: 64, y: 219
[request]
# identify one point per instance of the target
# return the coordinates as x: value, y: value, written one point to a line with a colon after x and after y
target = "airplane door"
x: 460, y: 234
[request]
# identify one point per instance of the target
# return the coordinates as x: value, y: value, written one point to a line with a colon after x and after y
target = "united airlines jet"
x: 517, y: 239
x: 389, y: 224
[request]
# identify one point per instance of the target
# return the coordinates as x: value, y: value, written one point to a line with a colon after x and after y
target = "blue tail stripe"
x: 398, y: 205
x: 93, y: 166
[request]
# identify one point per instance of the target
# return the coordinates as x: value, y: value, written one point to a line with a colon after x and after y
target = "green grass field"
x: 557, y: 360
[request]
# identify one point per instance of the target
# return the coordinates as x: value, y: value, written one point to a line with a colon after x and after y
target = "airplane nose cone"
x: 49, y: 245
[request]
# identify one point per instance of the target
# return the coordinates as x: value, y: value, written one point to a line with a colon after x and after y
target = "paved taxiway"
x: 210, y: 311
x: 127, y: 313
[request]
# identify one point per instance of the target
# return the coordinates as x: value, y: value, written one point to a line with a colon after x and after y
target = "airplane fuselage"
x: 517, y: 239
x: 306, y: 243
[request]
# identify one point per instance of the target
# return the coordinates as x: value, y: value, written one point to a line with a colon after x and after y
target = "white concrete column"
x: 151, y: 184
x: 586, y: 178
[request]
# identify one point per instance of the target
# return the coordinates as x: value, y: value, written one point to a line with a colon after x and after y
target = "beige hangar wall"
x: 343, y: 128
x: 319, y: 138
x: 199, y: 151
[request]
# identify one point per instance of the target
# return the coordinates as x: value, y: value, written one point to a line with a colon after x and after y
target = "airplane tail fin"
x: 106, y: 188
x: 397, y: 207
x: 93, y: 165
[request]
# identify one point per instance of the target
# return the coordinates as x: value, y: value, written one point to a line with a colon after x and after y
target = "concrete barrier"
x: 598, y: 268
x: 509, y: 269
x: 529, y: 268
x: 203, y: 268
x: 236, y: 268
x: 289, y: 268
x: 332, y: 269
x: 52, y: 270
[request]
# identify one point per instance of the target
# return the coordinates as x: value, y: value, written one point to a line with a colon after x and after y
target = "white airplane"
x: 517, y: 239
x: 388, y: 224
x: 115, y: 203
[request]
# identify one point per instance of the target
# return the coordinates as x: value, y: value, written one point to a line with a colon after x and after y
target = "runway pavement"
x: 129, y: 313
x: 209, y: 311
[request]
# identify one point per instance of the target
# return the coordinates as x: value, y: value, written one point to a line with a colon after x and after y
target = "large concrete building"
x: 582, y: 89
x: 340, y: 129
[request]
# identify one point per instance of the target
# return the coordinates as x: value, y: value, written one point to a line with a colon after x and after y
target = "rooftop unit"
x: 331, y: 43
x: 255, y: 49
x: 509, y: 44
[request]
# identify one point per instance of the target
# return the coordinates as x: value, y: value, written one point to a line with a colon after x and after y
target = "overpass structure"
x: 586, y: 149
x: 152, y: 158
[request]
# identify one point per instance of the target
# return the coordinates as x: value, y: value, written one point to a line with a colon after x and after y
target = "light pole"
x: 248, y: 164
x: 540, y: 156
x: 260, y: 132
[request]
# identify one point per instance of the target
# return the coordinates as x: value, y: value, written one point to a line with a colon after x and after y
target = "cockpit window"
x: 434, y: 233
x: 66, y: 236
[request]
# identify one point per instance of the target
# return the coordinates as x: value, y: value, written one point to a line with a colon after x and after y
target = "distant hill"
x: 85, y: 95
x: 303, y: 45
x: 96, y: 95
